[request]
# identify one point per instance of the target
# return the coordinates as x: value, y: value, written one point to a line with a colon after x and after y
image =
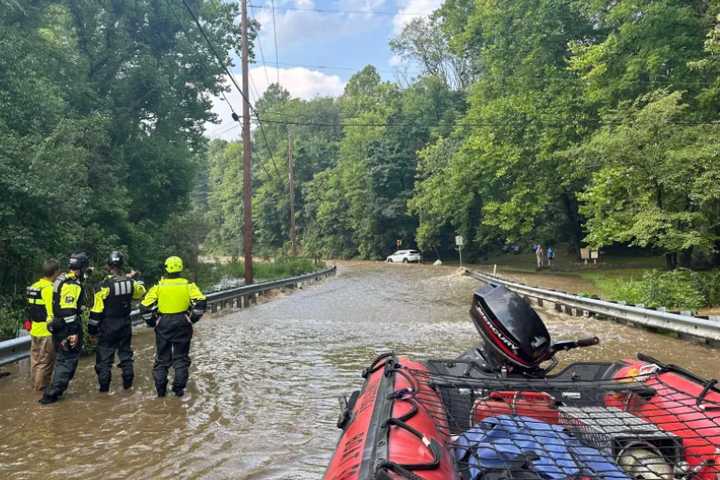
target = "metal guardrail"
x: 685, y: 325
x: 19, y: 348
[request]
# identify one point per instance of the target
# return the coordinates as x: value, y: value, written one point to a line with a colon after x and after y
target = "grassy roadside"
x: 10, y: 318
x: 633, y: 279
x: 218, y: 275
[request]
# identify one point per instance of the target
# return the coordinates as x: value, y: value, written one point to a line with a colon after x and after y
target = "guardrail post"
x: 558, y: 307
x: 540, y: 302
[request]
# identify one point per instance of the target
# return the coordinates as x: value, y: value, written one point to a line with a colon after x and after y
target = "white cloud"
x: 295, y: 26
x: 395, y: 60
x: 300, y: 82
x: 413, y: 9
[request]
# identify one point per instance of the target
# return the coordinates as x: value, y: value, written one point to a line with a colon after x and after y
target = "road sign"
x: 459, y: 242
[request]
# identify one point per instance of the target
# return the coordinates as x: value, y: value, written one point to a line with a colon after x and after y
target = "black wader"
x: 66, y: 362
x: 172, y: 340
x: 115, y: 336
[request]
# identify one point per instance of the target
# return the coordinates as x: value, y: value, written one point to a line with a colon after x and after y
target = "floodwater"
x: 262, y: 399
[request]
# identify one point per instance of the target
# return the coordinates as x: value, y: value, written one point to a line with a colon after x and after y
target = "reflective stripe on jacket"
x: 113, y: 300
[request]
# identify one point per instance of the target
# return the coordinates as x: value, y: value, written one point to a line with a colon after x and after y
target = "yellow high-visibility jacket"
x: 40, y: 306
x: 173, y: 295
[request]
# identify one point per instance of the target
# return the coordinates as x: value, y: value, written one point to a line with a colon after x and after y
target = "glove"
x: 55, y: 325
x: 93, y: 327
x: 195, y: 317
x: 150, y: 319
x: 27, y: 325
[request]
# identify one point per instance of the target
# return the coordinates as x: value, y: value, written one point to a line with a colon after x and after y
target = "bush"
x: 680, y: 289
x: 217, y: 276
x: 709, y: 285
x: 11, y: 317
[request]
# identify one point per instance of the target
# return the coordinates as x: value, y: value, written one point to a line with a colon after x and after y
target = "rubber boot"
x: 161, y: 390
x: 104, y: 388
x: 179, y: 392
x: 127, y: 383
x: 48, y: 399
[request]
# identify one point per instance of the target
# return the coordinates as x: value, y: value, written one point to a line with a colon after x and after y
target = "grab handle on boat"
x: 429, y: 443
x: 376, y: 365
x: 709, y: 385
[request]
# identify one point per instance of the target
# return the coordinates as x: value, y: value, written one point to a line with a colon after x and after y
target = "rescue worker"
x: 110, y: 322
x: 42, y: 351
x: 172, y: 307
x: 66, y: 326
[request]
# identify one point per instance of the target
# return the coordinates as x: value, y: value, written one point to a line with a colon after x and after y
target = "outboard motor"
x: 514, y: 338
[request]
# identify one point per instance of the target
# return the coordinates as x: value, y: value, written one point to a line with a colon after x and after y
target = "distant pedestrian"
x: 42, y: 350
x: 550, y: 256
x: 540, y: 256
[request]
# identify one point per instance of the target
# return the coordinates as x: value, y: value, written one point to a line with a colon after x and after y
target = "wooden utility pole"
x: 291, y: 189
x: 247, y: 155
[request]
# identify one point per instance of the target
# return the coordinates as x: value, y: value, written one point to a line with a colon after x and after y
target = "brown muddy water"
x: 262, y: 399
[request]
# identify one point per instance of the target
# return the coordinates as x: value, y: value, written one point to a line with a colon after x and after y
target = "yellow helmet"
x: 173, y: 265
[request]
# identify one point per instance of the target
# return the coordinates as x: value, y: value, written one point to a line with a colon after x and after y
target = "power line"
x: 213, y: 50
x: 348, y: 12
x: 262, y: 58
x: 277, y: 57
x: 234, y: 82
x: 460, y: 124
x: 325, y: 67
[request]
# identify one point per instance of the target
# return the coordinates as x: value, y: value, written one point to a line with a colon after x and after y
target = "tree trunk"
x: 573, y: 216
x: 671, y: 260
x: 715, y: 258
x: 686, y: 258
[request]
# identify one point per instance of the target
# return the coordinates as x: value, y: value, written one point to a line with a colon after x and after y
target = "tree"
x: 656, y: 184
x: 104, y: 105
x: 423, y: 41
x: 504, y: 180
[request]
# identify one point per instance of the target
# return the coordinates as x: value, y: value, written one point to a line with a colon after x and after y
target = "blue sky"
x: 321, y: 43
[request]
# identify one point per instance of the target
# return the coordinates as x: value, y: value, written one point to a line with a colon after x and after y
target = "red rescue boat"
x: 497, y: 413
x: 389, y: 430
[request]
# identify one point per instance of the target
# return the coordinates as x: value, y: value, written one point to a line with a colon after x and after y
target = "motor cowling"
x: 511, y: 330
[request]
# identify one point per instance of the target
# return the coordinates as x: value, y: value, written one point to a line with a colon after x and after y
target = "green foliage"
x: 212, y: 276
x: 652, y: 188
x: 12, y: 315
x: 103, y: 111
x: 680, y: 289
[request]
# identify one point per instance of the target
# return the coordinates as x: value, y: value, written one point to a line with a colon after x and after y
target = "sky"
x: 320, y: 45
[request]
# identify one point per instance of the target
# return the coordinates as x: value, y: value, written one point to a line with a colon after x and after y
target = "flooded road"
x: 262, y: 398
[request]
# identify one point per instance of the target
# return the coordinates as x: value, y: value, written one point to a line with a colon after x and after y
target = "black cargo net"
x: 636, y: 427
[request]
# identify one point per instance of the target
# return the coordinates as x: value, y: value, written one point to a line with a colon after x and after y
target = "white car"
x: 405, y: 256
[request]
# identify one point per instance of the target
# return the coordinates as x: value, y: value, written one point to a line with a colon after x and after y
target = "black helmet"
x: 511, y: 330
x: 115, y: 259
x: 79, y: 261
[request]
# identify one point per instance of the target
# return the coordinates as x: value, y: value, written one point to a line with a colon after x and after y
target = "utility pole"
x: 291, y: 189
x: 247, y: 155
